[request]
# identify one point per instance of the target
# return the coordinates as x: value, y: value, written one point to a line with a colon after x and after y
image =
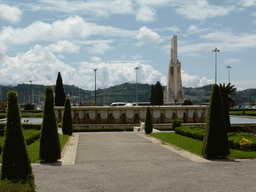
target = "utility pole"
x: 95, y: 85
x: 229, y: 67
x: 216, y: 50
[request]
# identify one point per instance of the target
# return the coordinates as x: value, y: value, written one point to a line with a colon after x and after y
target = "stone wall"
x: 132, y: 115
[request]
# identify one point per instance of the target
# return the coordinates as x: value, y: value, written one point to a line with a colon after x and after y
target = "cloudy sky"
x: 39, y: 38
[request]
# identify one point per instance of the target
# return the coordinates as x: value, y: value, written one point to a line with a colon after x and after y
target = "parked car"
x: 117, y: 104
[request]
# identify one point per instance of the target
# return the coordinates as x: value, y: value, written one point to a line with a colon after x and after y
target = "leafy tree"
x: 187, y: 102
x: 215, y: 143
x: 67, y: 124
x: 148, y: 122
x: 15, y: 159
x: 59, y: 92
x: 227, y: 102
x: 157, y: 96
x: 49, y: 141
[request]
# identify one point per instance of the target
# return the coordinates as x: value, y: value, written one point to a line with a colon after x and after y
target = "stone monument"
x: 174, y: 92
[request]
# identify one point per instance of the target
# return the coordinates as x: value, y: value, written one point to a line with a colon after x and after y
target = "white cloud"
x: 99, y: 48
x: 200, y: 10
x: 231, y: 61
x: 70, y: 28
x: 194, y: 81
x: 195, y: 29
x: 147, y: 35
x: 12, y: 14
x: 96, y: 59
x: 146, y: 14
x: 248, y: 3
x: 39, y: 65
x: 174, y: 29
x: 64, y: 46
x: 97, y: 8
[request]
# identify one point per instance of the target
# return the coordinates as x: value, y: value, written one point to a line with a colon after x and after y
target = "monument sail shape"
x: 174, y: 92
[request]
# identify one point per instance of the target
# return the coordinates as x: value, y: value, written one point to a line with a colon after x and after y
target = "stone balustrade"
x: 132, y: 115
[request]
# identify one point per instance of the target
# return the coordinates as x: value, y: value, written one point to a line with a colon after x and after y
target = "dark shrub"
x: 16, y: 163
x: 59, y: 92
x: 176, y: 123
x: 29, y: 107
x: 148, y: 122
x: 67, y: 123
x: 215, y: 143
x: 187, y: 102
x: 49, y: 141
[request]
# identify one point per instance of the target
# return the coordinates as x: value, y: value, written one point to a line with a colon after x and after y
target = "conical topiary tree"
x: 215, y: 143
x: 148, y: 122
x: 59, y: 92
x: 67, y: 124
x: 49, y: 141
x: 15, y: 159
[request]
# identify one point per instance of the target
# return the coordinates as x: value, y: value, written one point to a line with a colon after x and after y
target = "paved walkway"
x: 127, y: 161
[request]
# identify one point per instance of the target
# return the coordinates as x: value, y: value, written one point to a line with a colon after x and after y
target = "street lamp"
x: 95, y: 83
x: 136, y: 68
x: 216, y: 50
x: 229, y: 67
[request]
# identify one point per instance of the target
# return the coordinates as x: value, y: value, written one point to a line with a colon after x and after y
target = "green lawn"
x: 195, y: 146
x: 33, y: 149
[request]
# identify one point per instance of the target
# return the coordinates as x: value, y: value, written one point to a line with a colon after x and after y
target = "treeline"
x: 125, y: 92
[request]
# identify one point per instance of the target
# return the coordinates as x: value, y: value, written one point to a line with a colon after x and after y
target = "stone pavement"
x: 127, y: 161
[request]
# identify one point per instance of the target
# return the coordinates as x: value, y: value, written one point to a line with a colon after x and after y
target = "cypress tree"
x: 67, y: 124
x: 49, y: 141
x: 15, y: 159
x: 215, y: 143
x: 158, y: 94
x: 148, y: 122
x: 59, y: 92
x: 152, y: 99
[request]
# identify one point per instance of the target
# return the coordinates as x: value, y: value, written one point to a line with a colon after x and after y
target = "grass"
x: 33, y: 149
x: 15, y: 187
x: 195, y: 146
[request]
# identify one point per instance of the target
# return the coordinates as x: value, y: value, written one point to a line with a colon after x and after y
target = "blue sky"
x: 40, y: 38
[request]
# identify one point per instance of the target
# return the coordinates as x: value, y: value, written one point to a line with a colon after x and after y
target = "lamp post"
x: 216, y: 50
x: 30, y: 92
x: 229, y: 67
x: 136, y: 69
x: 95, y: 84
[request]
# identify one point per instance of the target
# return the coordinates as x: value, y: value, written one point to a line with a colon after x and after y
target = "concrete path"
x: 130, y: 162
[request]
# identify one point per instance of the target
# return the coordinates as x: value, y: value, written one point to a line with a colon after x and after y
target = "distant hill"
x: 124, y: 92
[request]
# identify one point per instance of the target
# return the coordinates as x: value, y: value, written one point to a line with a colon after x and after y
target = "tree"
x: 157, y: 94
x: 152, y: 98
x: 187, y: 102
x: 148, y: 122
x: 15, y: 159
x: 59, y: 92
x: 227, y: 102
x: 67, y: 124
x: 215, y: 143
x: 49, y: 140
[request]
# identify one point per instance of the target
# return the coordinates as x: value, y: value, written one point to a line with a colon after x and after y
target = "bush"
x: 67, y: 123
x: 148, y: 122
x: 15, y: 159
x: 215, y: 143
x: 245, y: 144
x: 193, y: 132
x: 29, y: 107
x: 49, y: 142
x: 176, y: 123
x: 187, y: 102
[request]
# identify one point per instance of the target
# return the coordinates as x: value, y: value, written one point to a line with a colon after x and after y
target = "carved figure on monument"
x: 174, y: 92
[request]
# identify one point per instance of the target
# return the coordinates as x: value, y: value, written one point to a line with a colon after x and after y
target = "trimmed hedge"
x: 235, y: 138
x: 24, y: 126
x: 193, y: 132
